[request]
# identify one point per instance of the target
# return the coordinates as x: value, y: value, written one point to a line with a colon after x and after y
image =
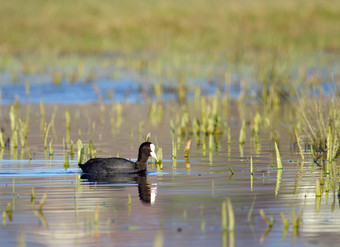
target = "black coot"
x: 120, y: 165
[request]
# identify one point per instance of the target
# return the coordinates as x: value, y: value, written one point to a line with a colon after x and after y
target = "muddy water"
x: 178, y: 205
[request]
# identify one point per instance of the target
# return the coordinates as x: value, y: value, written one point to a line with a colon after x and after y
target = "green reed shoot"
x: 72, y: 150
x: 29, y: 152
x: 14, y: 126
x: 298, y: 142
x: 22, y: 129
x: 159, y: 155
x: 332, y: 144
x: 264, y: 216
x: 80, y: 151
x: 231, y: 170
x: 256, y: 122
x: 242, y: 137
x: 173, y: 142
x: 51, y: 148
x: 2, y: 143
x: 13, y: 186
x: 32, y: 194
x: 46, y: 130
x: 229, y: 136
x: 187, y: 148
x: 278, y: 157
x: 42, y: 114
x: 312, y: 153
x: 64, y: 145
x: 91, y: 150
x: 42, y: 201
x: 147, y: 137
x: 211, y: 142
x: 251, y: 166
x: 322, y: 182
x: 68, y: 126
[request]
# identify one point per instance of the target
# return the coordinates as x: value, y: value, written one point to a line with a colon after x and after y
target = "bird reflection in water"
x: 147, y: 194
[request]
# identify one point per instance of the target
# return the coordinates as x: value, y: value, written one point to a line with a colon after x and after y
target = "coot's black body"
x: 121, y: 165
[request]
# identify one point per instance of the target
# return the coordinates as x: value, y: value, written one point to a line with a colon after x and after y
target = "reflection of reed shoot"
x: 251, y: 212
x: 284, y: 221
x: 227, y: 213
x: 224, y: 216
x: 278, y: 157
x: 298, y: 142
x: 8, y: 212
x: 4, y: 218
x: 231, y: 215
x: 296, y: 221
x: 159, y: 239
x: 96, y: 216
x: 42, y: 201
x: 318, y: 190
x: 129, y: 200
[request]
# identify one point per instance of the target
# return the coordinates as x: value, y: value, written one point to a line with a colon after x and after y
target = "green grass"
x: 194, y: 25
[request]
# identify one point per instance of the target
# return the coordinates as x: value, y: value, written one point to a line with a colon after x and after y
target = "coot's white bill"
x: 153, y: 152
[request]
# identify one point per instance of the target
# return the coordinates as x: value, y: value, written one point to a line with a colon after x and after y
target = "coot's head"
x: 147, y: 149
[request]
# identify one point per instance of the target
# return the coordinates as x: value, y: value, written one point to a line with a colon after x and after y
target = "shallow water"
x: 179, y: 205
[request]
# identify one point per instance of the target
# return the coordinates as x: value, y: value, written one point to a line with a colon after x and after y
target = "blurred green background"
x: 213, y: 26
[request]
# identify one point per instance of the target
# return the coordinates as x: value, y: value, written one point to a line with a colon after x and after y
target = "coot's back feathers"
x: 121, y: 165
x: 108, y: 165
